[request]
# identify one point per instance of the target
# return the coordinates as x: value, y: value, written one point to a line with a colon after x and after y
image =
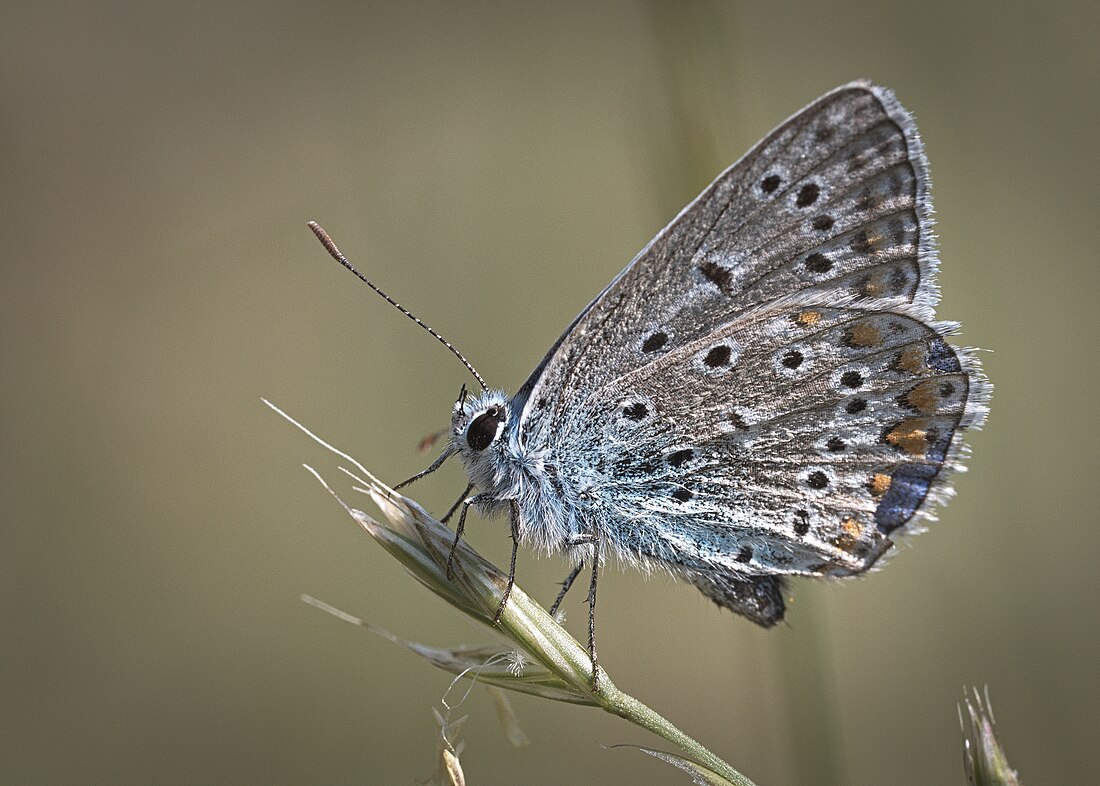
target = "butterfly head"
x: 477, y: 423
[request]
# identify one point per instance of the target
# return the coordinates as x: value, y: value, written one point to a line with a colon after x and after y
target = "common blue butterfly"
x: 763, y: 392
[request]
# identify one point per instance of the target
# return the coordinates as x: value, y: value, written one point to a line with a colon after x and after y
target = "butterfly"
x: 763, y: 392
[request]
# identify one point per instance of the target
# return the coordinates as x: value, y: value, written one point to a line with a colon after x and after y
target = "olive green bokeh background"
x: 494, y: 166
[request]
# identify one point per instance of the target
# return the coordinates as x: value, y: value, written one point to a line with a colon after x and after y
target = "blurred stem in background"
x: 695, y: 59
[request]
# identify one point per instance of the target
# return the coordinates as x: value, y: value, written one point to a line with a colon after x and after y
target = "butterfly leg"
x: 565, y: 586
x: 596, y: 542
x: 434, y: 466
x: 465, y: 503
x: 512, y: 565
x: 458, y: 502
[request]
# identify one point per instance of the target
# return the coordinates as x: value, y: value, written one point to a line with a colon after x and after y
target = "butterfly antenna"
x: 330, y: 246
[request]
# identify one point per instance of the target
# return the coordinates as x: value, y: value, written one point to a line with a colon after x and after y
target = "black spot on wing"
x: 635, y: 411
x: 655, y: 341
x: 818, y: 263
x: 720, y: 276
x: 681, y: 457
x: 737, y: 420
x: 808, y: 194
x: 851, y: 379
x: 793, y: 359
x: 718, y: 356
x: 855, y: 406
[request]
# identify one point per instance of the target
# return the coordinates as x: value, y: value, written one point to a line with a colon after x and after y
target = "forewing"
x: 834, y: 201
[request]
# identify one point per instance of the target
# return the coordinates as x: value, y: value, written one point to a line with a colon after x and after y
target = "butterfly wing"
x: 761, y: 391
x: 835, y: 199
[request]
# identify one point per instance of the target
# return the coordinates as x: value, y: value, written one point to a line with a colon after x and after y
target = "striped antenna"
x: 330, y: 246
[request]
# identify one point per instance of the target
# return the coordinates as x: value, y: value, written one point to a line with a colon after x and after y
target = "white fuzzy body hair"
x: 506, y: 472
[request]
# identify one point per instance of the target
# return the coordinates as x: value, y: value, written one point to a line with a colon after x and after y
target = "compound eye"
x: 483, y: 430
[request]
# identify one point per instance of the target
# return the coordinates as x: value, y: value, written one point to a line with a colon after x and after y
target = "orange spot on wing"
x: 912, y: 360
x: 808, y: 318
x: 880, y: 483
x: 850, y: 532
x: 911, y: 435
x: 864, y: 334
x: 874, y: 285
x: 924, y: 397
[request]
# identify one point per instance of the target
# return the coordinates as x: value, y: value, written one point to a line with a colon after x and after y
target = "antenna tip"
x: 326, y: 241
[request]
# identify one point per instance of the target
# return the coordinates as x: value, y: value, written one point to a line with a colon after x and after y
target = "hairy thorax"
x: 505, y: 472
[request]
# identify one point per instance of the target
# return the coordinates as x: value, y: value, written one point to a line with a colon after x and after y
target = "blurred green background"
x: 493, y: 165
